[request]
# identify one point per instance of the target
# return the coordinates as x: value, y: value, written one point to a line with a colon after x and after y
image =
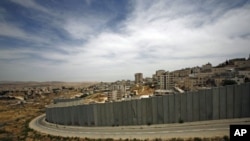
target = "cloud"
x: 153, y: 35
x: 31, y: 4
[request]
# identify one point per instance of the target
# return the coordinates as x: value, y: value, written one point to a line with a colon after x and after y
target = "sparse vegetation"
x: 15, y: 120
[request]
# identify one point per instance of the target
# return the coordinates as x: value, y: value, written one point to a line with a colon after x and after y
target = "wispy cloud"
x: 106, y: 41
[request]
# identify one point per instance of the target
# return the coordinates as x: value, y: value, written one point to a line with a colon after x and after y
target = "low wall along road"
x: 217, y: 103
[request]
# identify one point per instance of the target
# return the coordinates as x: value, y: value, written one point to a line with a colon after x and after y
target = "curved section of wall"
x: 217, y: 103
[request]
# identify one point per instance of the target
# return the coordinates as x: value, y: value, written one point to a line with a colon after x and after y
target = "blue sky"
x: 108, y: 40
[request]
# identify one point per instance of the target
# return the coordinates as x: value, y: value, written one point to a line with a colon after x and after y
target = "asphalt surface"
x: 210, y: 128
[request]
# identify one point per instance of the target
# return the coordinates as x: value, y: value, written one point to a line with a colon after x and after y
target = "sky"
x: 109, y: 40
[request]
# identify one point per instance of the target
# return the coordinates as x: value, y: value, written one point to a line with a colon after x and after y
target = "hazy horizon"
x: 109, y: 40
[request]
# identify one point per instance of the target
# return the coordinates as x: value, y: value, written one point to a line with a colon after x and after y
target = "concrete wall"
x: 217, y: 103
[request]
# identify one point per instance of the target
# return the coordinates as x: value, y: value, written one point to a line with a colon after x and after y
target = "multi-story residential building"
x: 158, y: 73
x: 138, y: 78
x: 113, y: 95
x: 166, y: 81
x: 157, y: 77
x: 117, y: 92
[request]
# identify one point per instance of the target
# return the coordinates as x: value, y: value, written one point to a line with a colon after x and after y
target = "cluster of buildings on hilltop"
x: 166, y: 82
x: 189, y: 79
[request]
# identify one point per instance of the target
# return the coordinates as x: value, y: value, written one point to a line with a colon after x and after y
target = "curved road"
x: 184, y: 130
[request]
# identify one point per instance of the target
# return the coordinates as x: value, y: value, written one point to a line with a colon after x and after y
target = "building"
x: 166, y: 81
x: 117, y: 92
x: 245, y: 73
x: 157, y: 77
x: 218, y: 70
x: 138, y: 78
x: 148, y: 80
x: 242, y: 63
x: 182, y: 72
x: 195, y: 70
x: 206, y: 68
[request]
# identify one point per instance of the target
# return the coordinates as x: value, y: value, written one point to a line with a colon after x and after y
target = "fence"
x: 217, y: 103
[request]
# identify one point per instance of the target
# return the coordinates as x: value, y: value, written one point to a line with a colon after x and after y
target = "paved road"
x: 185, y: 130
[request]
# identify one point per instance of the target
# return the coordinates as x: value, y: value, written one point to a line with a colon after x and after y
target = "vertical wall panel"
x: 177, y: 111
x: 72, y: 114
x: 60, y: 115
x: 209, y: 106
x: 124, y: 113
x: 230, y: 101
x: 154, y: 110
x: 139, y: 112
x: 166, y: 109
x: 95, y: 120
x: 149, y: 111
x: 160, y: 114
x: 99, y: 114
x: 189, y: 106
x: 103, y: 115
x: 223, y: 103
x: 120, y: 112
x: 183, y: 107
x: 95, y: 115
x: 82, y: 115
x: 116, y: 110
x: 107, y: 114
x: 50, y: 114
x: 134, y: 112
x: 57, y: 115
x: 110, y: 105
x: 171, y: 101
x: 66, y: 113
x: 202, y: 105
x: 79, y: 113
x: 91, y: 115
x: 144, y: 111
x: 85, y: 111
x: 245, y: 100
x: 196, y: 107
x: 237, y: 101
x: 47, y: 114
x: 62, y: 109
x: 68, y: 117
x: 54, y: 115
x: 130, y: 114
x: 248, y: 94
x: 216, y: 103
